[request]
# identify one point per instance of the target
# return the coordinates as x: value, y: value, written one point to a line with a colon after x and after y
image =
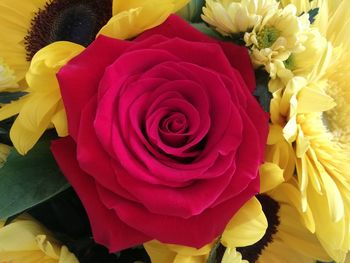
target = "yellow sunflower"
x: 26, y: 241
x: 28, y: 26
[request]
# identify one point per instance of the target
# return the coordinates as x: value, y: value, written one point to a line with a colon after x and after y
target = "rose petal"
x: 80, y: 77
x: 107, y: 228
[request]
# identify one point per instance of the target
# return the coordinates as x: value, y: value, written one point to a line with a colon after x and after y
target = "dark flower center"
x: 270, y: 208
x: 76, y: 21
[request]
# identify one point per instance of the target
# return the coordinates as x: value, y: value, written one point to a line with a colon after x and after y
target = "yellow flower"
x: 135, y: 16
x: 235, y: 16
x: 245, y: 228
x: 276, y: 37
x: 309, y: 63
x: 7, y: 77
x: 286, y: 239
x: 321, y: 154
x: 26, y: 241
x: 42, y: 106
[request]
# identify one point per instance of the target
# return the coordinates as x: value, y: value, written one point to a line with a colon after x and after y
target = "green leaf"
x: 312, y: 14
x: 26, y: 181
x: 202, y: 27
x: 262, y: 92
x: 214, y: 252
x: 7, y: 97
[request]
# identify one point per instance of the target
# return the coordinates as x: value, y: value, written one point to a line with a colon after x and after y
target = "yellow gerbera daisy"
x: 26, y: 241
x: 322, y: 162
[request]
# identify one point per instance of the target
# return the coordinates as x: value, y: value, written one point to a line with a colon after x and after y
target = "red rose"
x: 166, y: 137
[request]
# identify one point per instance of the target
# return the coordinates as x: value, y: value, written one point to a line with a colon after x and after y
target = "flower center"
x: 76, y: 21
x: 337, y: 119
x: 7, y: 77
x: 267, y: 37
x: 271, y: 209
x: 173, y: 129
x: 289, y: 62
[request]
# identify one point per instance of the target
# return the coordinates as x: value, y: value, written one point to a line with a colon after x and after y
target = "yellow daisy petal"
x: 246, y: 227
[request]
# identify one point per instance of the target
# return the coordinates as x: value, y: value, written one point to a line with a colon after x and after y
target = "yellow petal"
x: 13, y: 108
x: 59, y: 120
x: 158, y: 252
x: 271, y: 175
x: 311, y: 99
x: 246, y: 227
x: 32, y: 121
x: 288, y: 193
x: 131, y: 18
x: 119, y: 6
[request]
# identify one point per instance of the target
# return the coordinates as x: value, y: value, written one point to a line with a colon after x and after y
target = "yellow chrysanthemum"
x: 26, y: 241
x: 246, y: 227
x: 42, y: 106
x: 133, y: 17
x: 277, y: 36
x: 308, y: 63
x: 230, y: 17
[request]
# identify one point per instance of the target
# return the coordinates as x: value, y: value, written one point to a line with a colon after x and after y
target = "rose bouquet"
x: 174, y: 131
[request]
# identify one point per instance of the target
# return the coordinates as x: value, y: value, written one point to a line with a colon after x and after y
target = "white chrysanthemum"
x: 277, y: 36
x: 7, y: 76
x: 236, y: 16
